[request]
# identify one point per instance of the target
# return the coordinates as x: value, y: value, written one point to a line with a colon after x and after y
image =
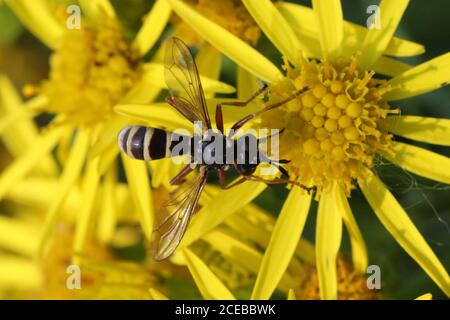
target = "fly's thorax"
x: 218, y: 149
x: 214, y: 148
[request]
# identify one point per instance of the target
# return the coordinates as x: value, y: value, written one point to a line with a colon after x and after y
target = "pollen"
x: 91, y: 70
x: 336, y: 128
x: 229, y: 14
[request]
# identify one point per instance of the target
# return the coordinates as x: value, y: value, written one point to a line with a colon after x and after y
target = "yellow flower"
x: 234, y: 17
x: 101, y: 277
x: 339, y: 126
x: 226, y: 260
x: 19, y: 274
x: 93, y: 69
x: 229, y: 14
x: 352, y: 285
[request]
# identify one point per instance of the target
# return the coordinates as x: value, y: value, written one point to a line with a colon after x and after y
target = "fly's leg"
x: 234, y: 184
x: 179, y: 178
x: 222, y: 179
x: 279, y: 181
x: 219, y: 114
x: 249, y: 117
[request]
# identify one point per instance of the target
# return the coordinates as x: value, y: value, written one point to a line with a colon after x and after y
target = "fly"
x: 147, y: 143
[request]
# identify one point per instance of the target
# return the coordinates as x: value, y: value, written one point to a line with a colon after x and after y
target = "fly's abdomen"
x: 145, y: 143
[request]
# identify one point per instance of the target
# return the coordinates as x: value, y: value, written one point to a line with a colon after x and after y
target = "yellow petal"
x: 275, y: 28
x: 256, y: 225
x: 97, y: 9
x: 19, y: 274
x: 159, y: 170
x: 239, y: 51
x: 330, y: 21
x: 7, y: 121
x: 241, y: 253
x: 426, y: 296
x: 17, y: 236
x: 291, y: 295
x: 108, y: 214
x: 39, y: 194
x: 153, y: 26
x: 424, y: 129
x: 156, y: 295
x: 20, y: 167
x: 377, y: 40
x: 419, y: 161
x: 403, y: 48
x: 234, y: 250
x: 245, y: 223
x: 284, y: 240
x: 219, y: 208
x: 359, y: 250
x: 10, y: 99
x: 140, y: 191
x: 328, y: 241
x: 107, y: 158
x: 397, y: 222
x: 390, y: 67
x: 64, y: 145
x: 108, y: 135
x: 142, y: 91
x: 84, y: 217
x: 207, y: 283
x: 303, y: 22
x: 247, y: 84
x: 421, y: 79
x: 306, y: 251
x: 209, y: 62
x: 38, y: 18
x: 154, y: 74
x: 300, y: 19
x: 69, y: 177
x: 17, y: 128
x: 157, y: 115
x: 162, y: 171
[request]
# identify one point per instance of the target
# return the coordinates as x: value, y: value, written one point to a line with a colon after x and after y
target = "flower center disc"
x: 93, y: 68
x: 334, y: 128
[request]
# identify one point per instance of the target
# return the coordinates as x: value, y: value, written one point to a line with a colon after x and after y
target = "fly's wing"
x: 172, y: 229
x: 183, y: 81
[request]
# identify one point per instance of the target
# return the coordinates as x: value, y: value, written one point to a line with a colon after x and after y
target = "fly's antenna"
x: 282, y: 170
x: 276, y: 164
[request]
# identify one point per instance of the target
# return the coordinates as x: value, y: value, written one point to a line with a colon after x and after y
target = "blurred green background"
x: 25, y: 60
